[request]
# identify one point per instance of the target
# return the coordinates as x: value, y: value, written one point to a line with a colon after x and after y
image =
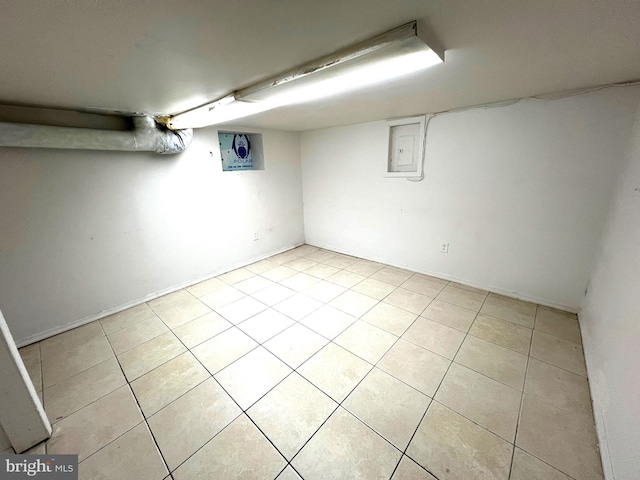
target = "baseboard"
x: 452, y: 278
x: 105, y: 313
x: 595, y: 388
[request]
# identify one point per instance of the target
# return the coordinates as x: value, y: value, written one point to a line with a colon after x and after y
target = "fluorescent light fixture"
x: 390, y: 55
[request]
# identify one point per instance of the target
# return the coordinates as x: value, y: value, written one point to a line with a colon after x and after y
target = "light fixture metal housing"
x: 392, y: 54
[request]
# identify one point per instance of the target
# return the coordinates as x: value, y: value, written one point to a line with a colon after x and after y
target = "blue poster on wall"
x: 235, y: 149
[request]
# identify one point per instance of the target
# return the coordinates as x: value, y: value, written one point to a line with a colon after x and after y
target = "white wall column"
x: 22, y: 416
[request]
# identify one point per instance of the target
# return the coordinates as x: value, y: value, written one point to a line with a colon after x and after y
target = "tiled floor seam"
x: 144, y: 418
x: 438, y: 387
x: 243, y: 411
x: 524, y: 385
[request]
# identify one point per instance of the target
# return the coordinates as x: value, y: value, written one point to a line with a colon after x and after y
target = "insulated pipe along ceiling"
x: 147, y: 136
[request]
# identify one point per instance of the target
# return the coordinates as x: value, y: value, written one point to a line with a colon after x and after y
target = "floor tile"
x: 424, y: 285
x: 32, y: 362
x: 75, y: 393
x: 494, y: 361
x: 335, y: 371
x: 321, y: 270
x: 140, y: 332
x: 163, y: 385
x: 305, y: 250
x: 353, y: 303
x: 300, y: 281
x: 298, y: 306
x: 434, y: 336
x: 328, y: 321
x: 239, y: 451
x: 279, y: 273
x: 289, y: 474
x: 39, y: 449
x: 144, y: 358
x: 345, y: 448
x: 450, y: 315
x: 295, y: 345
x: 242, y: 309
x: 564, y: 439
x: 453, y: 447
x: 300, y: 264
x: 178, y: 308
x: 223, y: 296
x: 223, y: 349
x: 261, y: 266
x: 291, y: 412
x: 30, y: 353
x: 64, y: 364
x: 470, y: 288
x: 558, y: 387
x: 420, y: 368
x: 252, y: 376
x: 410, y: 470
x: 320, y: 255
x: 392, y: 276
x: 490, y: 404
x: 263, y: 326
x: 87, y: 430
x: 273, y: 294
x: 462, y: 297
x: 235, y: 276
x: 253, y: 284
x: 558, y: 323
x: 389, y: 318
x: 364, y: 267
x: 558, y: 352
x: 510, y: 309
x: 126, y: 318
x: 407, y: 300
x: 207, y: 287
x: 502, y: 332
x: 201, y: 329
x: 324, y: 291
x: 340, y: 261
x: 189, y: 422
x: 283, y: 257
x: 345, y: 279
x: 528, y: 467
x: 70, y: 340
x: 374, y: 288
x: 388, y: 406
x: 366, y: 341
x: 133, y: 455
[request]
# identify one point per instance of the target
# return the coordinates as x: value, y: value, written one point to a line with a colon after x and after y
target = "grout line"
x: 144, y: 417
x: 524, y: 385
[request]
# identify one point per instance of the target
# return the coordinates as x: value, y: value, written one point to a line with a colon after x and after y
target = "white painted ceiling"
x: 163, y: 57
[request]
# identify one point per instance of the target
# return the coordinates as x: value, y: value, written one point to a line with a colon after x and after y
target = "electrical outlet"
x: 255, y: 236
x: 444, y: 248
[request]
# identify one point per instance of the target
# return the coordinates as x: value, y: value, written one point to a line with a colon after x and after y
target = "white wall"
x: 610, y: 322
x: 86, y: 232
x: 519, y: 192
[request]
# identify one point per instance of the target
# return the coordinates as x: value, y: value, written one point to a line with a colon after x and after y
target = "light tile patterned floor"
x: 317, y: 365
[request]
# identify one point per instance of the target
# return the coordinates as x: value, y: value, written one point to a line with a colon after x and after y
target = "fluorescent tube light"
x: 223, y: 110
x: 387, y: 56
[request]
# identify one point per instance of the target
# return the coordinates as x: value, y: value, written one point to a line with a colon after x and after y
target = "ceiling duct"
x: 146, y: 136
